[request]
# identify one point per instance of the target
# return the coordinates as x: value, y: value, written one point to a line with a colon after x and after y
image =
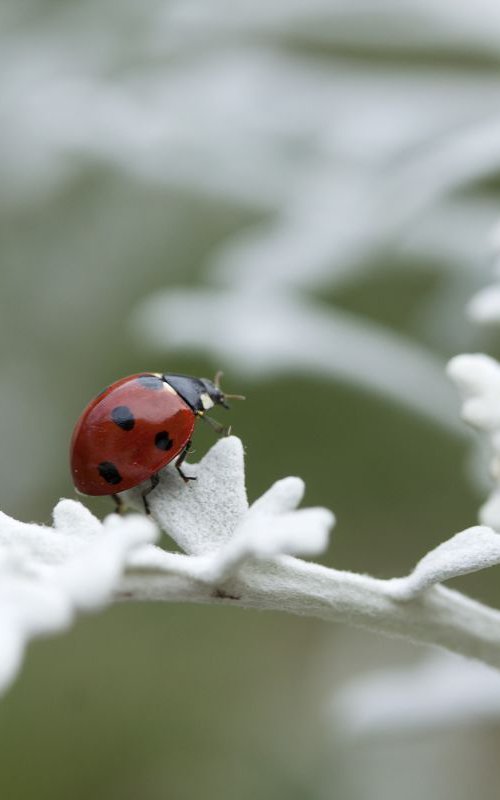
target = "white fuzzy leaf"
x: 284, y: 495
x: 302, y: 532
x: 468, y: 551
x: 202, y: 514
x: 230, y: 534
x: 48, y: 574
x: 477, y: 376
x: 484, y: 307
x: 74, y: 525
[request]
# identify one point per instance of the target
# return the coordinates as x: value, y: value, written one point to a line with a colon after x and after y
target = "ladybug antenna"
x: 218, y: 377
x: 234, y: 396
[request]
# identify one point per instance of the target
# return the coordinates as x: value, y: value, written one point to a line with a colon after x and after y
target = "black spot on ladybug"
x: 123, y: 417
x: 151, y: 382
x: 163, y: 441
x: 109, y: 472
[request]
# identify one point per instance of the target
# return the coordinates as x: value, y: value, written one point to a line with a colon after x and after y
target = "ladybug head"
x: 214, y: 395
x: 200, y: 393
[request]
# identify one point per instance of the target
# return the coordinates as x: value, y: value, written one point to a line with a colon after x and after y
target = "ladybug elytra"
x: 137, y: 426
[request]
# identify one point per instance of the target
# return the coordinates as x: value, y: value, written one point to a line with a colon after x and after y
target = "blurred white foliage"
x: 440, y: 692
x: 418, y: 25
x: 347, y: 158
x: 233, y: 116
x: 49, y: 575
x: 484, y: 307
x: 478, y: 379
x: 268, y: 334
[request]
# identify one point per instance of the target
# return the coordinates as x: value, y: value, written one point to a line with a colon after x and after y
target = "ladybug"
x: 137, y: 426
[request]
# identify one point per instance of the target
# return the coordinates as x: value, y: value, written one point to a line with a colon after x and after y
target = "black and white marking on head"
x: 109, y: 472
x: 151, y: 382
x: 206, y: 401
x: 123, y: 417
x: 163, y: 440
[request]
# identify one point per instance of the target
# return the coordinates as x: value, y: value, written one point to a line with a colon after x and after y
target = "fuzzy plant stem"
x: 438, y: 616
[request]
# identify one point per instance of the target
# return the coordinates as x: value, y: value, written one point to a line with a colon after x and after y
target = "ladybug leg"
x: 222, y: 430
x: 182, y: 456
x: 119, y: 504
x: 155, y: 479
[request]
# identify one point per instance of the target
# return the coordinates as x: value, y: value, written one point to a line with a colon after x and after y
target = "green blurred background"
x: 157, y: 701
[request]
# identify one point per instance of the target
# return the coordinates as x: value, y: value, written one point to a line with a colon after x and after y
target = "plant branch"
x: 438, y: 616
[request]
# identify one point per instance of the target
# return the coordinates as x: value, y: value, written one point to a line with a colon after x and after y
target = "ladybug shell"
x: 127, y: 433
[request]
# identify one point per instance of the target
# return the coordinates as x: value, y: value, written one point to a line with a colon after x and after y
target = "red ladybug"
x: 137, y: 426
